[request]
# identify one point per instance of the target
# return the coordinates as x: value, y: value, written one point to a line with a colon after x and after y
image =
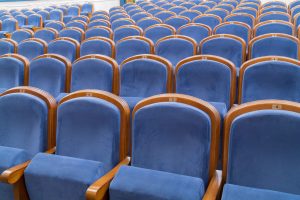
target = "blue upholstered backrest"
x: 76, y: 24
x: 274, y: 16
x: 64, y: 48
x: 56, y: 15
x: 210, y: 21
x: 147, y: 23
x: 57, y: 26
x: 264, y: 150
x: 143, y: 78
x: 159, y: 138
x: 228, y: 48
x: 163, y: 15
x: 31, y: 49
x: 274, y: 28
x: 11, y: 72
x: 157, y: 32
x: 24, y: 122
x: 98, y: 23
x: 205, y: 79
x: 200, y: 8
x: 123, y: 32
x: 274, y: 9
x: 22, y: 20
x: 190, y: 14
x: 20, y: 35
x: 99, y: 16
x: 245, y: 10
x: 89, y: 128
x: 87, y: 7
x: 234, y: 29
x: 71, y: 33
x: 271, y: 80
x: 220, y: 13
x: 6, y: 47
x: 97, y: 31
x: 131, y: 47
x: 48, y: 74
x: 176, y: 22
x: 136, y: 17
x: 241, y: 18
x: 174, y: 49
x: 73, y: 10
x: 45, y: 35
x: 275, y: 46
x: 34, y: 20
x: 92, y: 74
x: 96, y: 46
x: 44, y: 14
x: 196, y: 32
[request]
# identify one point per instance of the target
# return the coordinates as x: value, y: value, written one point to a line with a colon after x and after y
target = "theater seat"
x: 32, y: 48
x: 98, y: 45
x: 8, y: 46
x: 67, y: 47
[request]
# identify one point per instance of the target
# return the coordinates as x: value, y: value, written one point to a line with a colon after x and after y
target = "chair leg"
x: 20, y: 192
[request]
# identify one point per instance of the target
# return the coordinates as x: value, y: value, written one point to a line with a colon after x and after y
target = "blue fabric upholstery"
x: 31, y: 49
x: 158, y: 32
x: 45, y: 15
x: 98, y: 23
x: 48, y: 74
x: 234, y: 29
x: 11, y: 73
x: 97, y: 17
x: 117, y: 16
x: 9, y: 25
x: 241, y: 18
x: 138, y: 16
x: 123, y: 32
x: 55, y: 25
x: 91, y: 124
x: 264, y: 151
x: 245, y: 10
x: 275, y: 46
x: 176, y: 22
x: 190, y: 14
x: 96, y: 46
x: 76, y: 24
x: 6, y: 191
x: 50, y: 177
x: 45, y: 35
x: 159, y: 136
x: 200, y: 8
x: 235, y: 192
x: 220, y: 13
x: 71, y: 33
x: 271, y: 80
x: 274, y: 28
x: 6, y: 47
x: 228, y: 48
x: 174, y: 49
x: 132, y: 101
x: 22, y: 20
x: 25, y: 124
x: 274, y: 16
x: 34, y: 20
x: 164, y: 15
x: 64, y: 48
x: 195, y: 31
x: 177, y: 9
x: 275, y: 9
x: 131, y: 47
x: 210, y: 21
x: 137, y: 183
x: 97, y: 31
x: 145, y: 23
x: 92, y: 74
x: 20, y: 35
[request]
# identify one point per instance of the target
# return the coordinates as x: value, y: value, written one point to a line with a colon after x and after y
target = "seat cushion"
x: 132, y: 183
x: 10, y: 157
x: 132, y: 101
x: 51, y: 177
x: 221, y: 107
x: 235, y: 192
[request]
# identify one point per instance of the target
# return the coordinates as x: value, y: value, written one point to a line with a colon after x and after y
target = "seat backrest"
x: 32, y: 48
x: 121, y: 22
x: 67, y: 47
x: 45, y: 15
x: 177, y: 21
x: 163, y: 15
x: 196, y: 31
x: 9, y: 25
x: 241, y: 17
x: 73, y: 10
x: 99, y: 31
x: 95, y: 72
x: 125, y: 31
x: 191, y: 14
x: 51, y: 73
x: 175, y: 48
x: 210, y: 78
x: 81, y: 18
x: 155, y: 10
x: 35, y: 20
x: 147, y: 22
x: 131, y: 46
x: 210, y: 20
x: 56, y: 15
x: 188, y: 5
x: 274, y: 16
x: 72, y: 32
x: 278, y: 44
x: 261, y: 146
x: 99, y: 22
x: 274, y: 9
x: 78, y: 24
x: 99, y: 16
x: 219, y: 12
x: 247, y: 10
x: 158, y: 136
x: 177, y: 9
x: 138, y: 16
x: 8, y: 46
x: 13, y: 71
x: 225, y: 6
x: 239, y: 29
x: 98, y: 45
x: 46, y: 34
x: 210, y: 4
x: 22, y: 20
x: 270, y: 77
x: 118, y: 16
x: 22, y: 34
x: 87, y: 8
x: 145, y: 75
x: 158, y: 31
x: 274, y: 26
x: 227, y: 46
x: 97, y: 123
x: 57, y: 25
x: 29, y: 123
x: 200, y: 8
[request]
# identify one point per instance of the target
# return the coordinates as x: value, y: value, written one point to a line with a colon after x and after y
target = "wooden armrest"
x: 213, y: 191
x: 99, y: 188
x: 7, y: 35
x: 13, y: 174
x: 36, y: 28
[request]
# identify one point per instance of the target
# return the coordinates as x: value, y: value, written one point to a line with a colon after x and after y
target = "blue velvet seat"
x: 147, y: 22
x: 121, y: 22
x: 177, y: 9
x: 270, y: 77
x: 274, y: 3
x: 219, y: 12
x: 143, y: 76
x: 294, y: 11
x: 13, y: 71
x: 32, y: 48
x: 176, y: 48
x: 99, y: 31
x: 51, y: 73
x: 99, y: 16
x: 155, y: 10
x: 156, y: 32
x: 274, y: 9
x: 247, y: 10
x: 95, y: 121
x: 45, y: 15
x: 177, y: 21
x: 226, y: 6
x: 34, y: 20
x: 22, y: 20
x: 158, y: 136
x: 21, y: 34
x: 138, y: 16
x: 7, y: 46
x: 188, y: 5
x: 274, y: 44
x: 98, y: 45
x: 163, y: 15
x: 55, y: 15
x: 125, y: 31
x: 78, y: 24
x: 210, y: 4
x: 191, y: 14
x: 87, y: 9
x: 274, y: 16
x: 81, y: 18
x: 67, y: 47
x: 46, y: 34
x: 196, y: 31
x: 294, y: 4
x: 200, y: 8
x: 274, y: 27
x: 239, y: 29
x: 71, y: 12
x: 72, y: 32
x: 57, y: 25
x: 262, y: 151
x: 131, y: 46
x: 27, y: 129
x: 208, y: 19
x: 99, y: 22
x: 227, y: 46
x: 241, y: 17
